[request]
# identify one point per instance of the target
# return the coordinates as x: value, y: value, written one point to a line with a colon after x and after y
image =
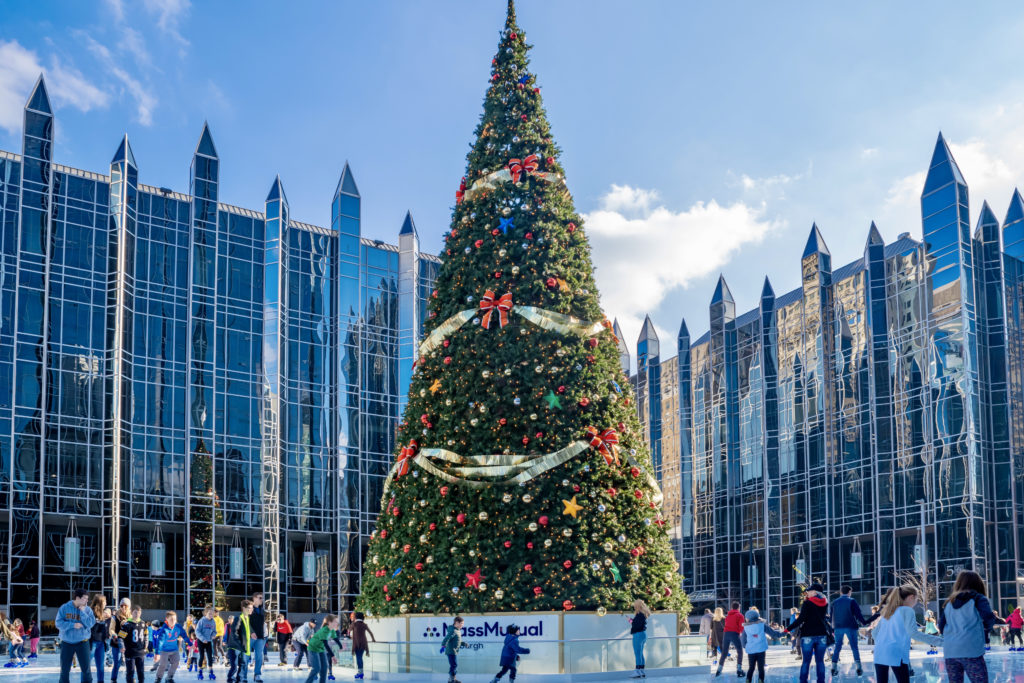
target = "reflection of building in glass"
x: 812, y: 425
x: 167, y: 359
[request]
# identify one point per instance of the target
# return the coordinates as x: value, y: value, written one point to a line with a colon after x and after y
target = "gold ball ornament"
x: 482, y: 516
x: 403, y: 608
x: 601, y: 611
x: 532, y: 526
x: 499, y: 594
x: 527, y: 498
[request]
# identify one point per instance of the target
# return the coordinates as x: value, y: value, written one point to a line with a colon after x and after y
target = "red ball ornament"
x: 444, y: 490
x: 523, y: 117
x: 497, y: 276
x: 561, y: 389
x: 576, y: 488
x: 584, y: 401
x: 537, y: 591
x: 536, y: 91
x: 479, y: 243
x: 502, y: 422
x: 668, y: 591
x: 406, y: 548
x: 396, y: 512
x: 432, y: 526
x: 384, y: 533
x: 590, y: 358
x: 521, y: 86
x: 385, y: 588
x: 639, y: 494
x: 388, y: 598
x: 460, y: 518
x: 567, y: 605
x: 528, y: 567
x: 622, y: 426
x: 508, y: 544
x: 529, y: 545
x: 635, y: 552
x: 612, y: 492
x: 447, y: 343
x: 424, y: 419
x: 550, y: 160
x: 513, y: 35
x: 567, y: 564
x: 592, y: 342
x: 528, y: 235
x: 526, y: 440
x: 634, y: 471
x: 419, y: 566
x: 572, y: 227
x: 447, y: 360
x: 543, y: 520
x: 495, y: 232
x: 538, y: 435
x: 551, y: 282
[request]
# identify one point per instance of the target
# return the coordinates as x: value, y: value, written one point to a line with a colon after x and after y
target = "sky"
x: 698, y: 138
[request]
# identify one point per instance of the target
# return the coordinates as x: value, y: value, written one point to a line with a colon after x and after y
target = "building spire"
x: 39, y: 100
x: 277, y: 191
x: 815, y: 243
x: 1016, y: 211
x: 874, y: 236
x: 767, y: 292
x: 347, y: 182
x: 943, y: 168
x: 722, y: 292
x: 205, y: 147
x: 408, y: 225
x: 124, y: 153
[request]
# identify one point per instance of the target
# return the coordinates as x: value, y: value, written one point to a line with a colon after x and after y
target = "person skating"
x: 965, y: 622
x: 300, y: 639
x: 705, y: 629
x: 847, y: 618
x: 283, y: 631
x: 813, y: 628
x: 206, y: 633
x: 450, y: 647
x: 358, y: 630
x: 717, y: 631
x: 240, y: 644
x: 218, y: 641
x: 33, y: 639
x: 99, y: 639
x: 1016, y: 622
x: 132, y: 635
x: 732, y: 629
x: 638, y: 631
x: 510, y: 652
x: 123, y: 614
x: 74, y: 623
x: 168, y: 645
x: 318, y: 649
x: 755, y: 641
x: 258, y: 624
x: 893, y: 633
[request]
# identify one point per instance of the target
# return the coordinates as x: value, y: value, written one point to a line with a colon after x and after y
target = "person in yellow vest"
x: 240, y: 645
x: 218, y: 642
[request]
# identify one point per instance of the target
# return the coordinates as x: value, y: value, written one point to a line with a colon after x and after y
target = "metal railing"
x: 595, y: 655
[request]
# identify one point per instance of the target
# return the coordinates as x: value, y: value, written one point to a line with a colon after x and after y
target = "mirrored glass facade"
x: 814, y: 431
x: 178, y: 369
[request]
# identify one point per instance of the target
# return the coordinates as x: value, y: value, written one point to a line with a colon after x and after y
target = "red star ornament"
x: 473, y: 580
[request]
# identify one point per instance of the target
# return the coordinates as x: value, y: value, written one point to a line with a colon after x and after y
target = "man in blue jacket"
x: 74, y: 624
x: 846, y: 619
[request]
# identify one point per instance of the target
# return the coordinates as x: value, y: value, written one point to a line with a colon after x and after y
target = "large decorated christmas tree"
x: 523, y: 482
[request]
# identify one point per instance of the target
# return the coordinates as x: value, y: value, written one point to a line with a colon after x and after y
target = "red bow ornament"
x: 606, y: 443
x: 489, y: 304
x: 406, y: 455
x: 460, y: 194
x: 516, y: 167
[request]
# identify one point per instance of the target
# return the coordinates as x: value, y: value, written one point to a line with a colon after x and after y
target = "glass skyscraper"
x: 859, y: 428
x: 174, y: 370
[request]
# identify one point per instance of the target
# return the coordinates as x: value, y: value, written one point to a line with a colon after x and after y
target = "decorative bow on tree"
x: 606, y: 443
x: 461, y: 192
x: 489, y: 304
x: 516, y: 167
x: 407, y: 454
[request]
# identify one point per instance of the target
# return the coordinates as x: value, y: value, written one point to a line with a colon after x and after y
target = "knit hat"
x: 752, y: 615
x: 816, y: 587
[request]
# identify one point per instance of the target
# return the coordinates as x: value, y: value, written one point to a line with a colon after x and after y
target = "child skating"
x: 510, y: 654
x: 450, y: 646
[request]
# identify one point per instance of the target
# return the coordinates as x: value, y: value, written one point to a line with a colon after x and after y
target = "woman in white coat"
x: 893, y: 633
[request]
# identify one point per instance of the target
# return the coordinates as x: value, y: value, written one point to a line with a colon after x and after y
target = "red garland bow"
x: 606, y: 443
x: 461, y: 193
x: 488, y: 305
x: 517, y: 167
x: 407, y: 454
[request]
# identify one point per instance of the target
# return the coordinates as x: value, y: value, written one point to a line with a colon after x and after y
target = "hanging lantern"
x: 801, y: 569
x: 309, y: 561
x: 235, y: 556
x: 918, y: 557
x: 752, y: 576
x: 157, y: 553
x: 856, y: 561
x: 72, y: 549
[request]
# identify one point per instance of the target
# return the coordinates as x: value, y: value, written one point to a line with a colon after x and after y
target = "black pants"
x: 755, y: 658
x: 511, y: 672
x: 902, y: 673
x: 1014, y: 635
x: 282, y: 645
x: 731, y: 638
x: 205, y: 651
x: 135, y: 665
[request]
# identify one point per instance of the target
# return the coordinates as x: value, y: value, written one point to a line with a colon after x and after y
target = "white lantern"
x: 72, y: 549
x: 752, y: 576
x: 856, y: 561
x: 919, y: 559
x: 235, y: 557
x: 801, y: 569
x: 157, y: 553
x: 309, y: 561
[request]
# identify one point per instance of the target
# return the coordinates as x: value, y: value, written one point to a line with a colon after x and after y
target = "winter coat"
x: 318, y: 643
x: 812, y: 619
x: 511, y: 650
x: 303, y: 633
x: 452, y: 641
x: 1015, y: 620
x: 358, y: 631
x: 206, y: 630
x: 240, y: 635
x: 717, y: 632
x: 100, y: 632
x: 132, y: 635
x: 639, y: 624
x: 734, y: 621
x: 283, y: 627
x: 257, y: 622
x: 964, y: 623
x: 755, y: 636
x: 167, y: 637
x: 893, y: 635
x: 846, y: 613
x: 69, y: 615
x: 705, y: 625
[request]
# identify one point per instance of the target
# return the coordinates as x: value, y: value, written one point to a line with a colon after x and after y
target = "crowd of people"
x: 91, y: 636
x: 962, y: 628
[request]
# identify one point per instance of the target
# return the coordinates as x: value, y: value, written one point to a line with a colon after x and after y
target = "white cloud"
x: 868, y: 153
x: 642, y: 251
x: 145, y: 100
x: 990, y: 158
x: 19, y: 69
x: 169, y: 15
x: 116, y: 8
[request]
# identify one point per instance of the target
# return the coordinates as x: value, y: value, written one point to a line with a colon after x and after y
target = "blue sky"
x: 698, y: 138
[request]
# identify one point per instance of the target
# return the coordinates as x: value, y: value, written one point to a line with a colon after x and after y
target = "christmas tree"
x: 523, y: 482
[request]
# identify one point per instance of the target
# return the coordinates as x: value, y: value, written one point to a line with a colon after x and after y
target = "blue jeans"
x: 99, y: 653
x: 358, y: 654
x: 79, y: 651
x: 238, y: 665
x: 812, y: 645
x: 638, y: 648
x: 258, y: 647
x: 851, y: 635
x: 116, y: 654
x: 317, y: 666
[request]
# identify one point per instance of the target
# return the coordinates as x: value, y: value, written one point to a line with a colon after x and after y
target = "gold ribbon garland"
x: 548, y: 320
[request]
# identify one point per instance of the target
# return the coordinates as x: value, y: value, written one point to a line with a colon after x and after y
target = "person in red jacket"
x: 1016, y: 622
x: 733, y: 629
